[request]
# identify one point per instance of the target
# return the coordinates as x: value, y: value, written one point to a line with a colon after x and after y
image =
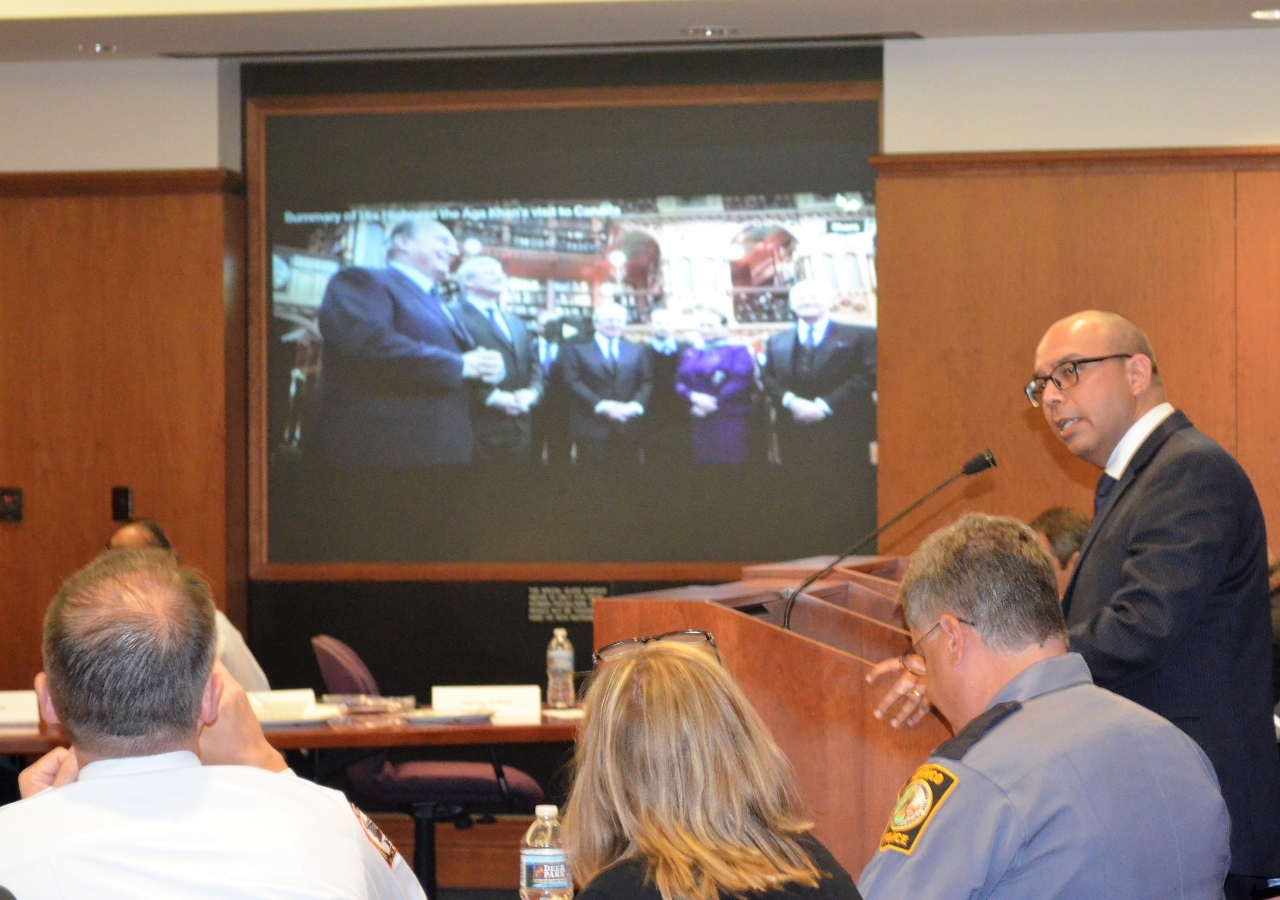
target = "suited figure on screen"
x: 395, y: 361
x: 500, y: 414
x: 666, y: 419
x: 610, y: 382
x: 551, y: 440
x: 821, y: 377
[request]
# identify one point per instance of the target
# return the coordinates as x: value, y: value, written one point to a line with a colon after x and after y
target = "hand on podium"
x: 907, y: 694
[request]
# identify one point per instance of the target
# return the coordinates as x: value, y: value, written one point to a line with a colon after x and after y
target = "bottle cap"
x: 546, y: 810
x: 558, y: 632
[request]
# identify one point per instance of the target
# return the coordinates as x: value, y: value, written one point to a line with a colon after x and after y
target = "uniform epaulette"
x: 959, y: 745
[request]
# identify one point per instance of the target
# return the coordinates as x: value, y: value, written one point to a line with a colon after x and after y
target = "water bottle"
x: 544, y: 870
x: 560, y: 671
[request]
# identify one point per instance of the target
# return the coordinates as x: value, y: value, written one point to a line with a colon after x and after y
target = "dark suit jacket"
x: 590, y: 381
x: 1168, y: 605
x: 391, y: 388
x: 844, y: 367
x: 523, y: 370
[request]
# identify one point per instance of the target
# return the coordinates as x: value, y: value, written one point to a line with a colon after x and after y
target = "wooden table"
x: 33, y: 741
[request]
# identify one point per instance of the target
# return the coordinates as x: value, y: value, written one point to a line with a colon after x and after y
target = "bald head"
x: 139, y: 534
x: 129, y: 643
x: 1100, y: 377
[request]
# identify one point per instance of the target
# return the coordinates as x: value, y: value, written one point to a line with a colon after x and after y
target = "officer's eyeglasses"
x: 1064, y: 375
x: 622, y: 648
x: 913, y: 659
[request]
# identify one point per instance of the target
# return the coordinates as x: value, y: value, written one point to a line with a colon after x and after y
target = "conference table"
x: 34, y: 741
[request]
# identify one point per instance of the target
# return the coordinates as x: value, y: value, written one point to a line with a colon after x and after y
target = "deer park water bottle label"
x: 544, y: 869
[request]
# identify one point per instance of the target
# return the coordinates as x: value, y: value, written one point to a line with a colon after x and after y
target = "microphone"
x: 972, y: 466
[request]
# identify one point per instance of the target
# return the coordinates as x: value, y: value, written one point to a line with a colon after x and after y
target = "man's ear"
x: 956, y: 642
x: 1139, y: 369
x: 211, y: 697
x: 45, y: 702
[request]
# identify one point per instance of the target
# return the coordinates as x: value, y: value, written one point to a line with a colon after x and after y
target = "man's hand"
x: 527, y: 398
x: 53, y: 770
x: 235, y: 738
x: 484, y: 364
x: 907, y: 694
x: 505, y: 401
x: 806, y: 412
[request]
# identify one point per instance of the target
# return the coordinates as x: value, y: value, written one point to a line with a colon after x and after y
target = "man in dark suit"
x: 395, y: 360
x: 821, y: 376
x: 666, y: 421
x: 609, y: 383
x: 551, y: 441
x: 1168, y: 601
x: 500, y: 414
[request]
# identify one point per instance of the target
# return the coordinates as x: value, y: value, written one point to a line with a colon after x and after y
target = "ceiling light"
x: 1266, y: 15
x: 708, y: 31
x: 96, y: 49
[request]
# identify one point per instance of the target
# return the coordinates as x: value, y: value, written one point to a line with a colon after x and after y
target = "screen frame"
x: 259, y: 111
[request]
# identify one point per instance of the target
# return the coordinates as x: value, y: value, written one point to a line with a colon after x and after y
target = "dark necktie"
x: 499, y: 327
x: 1106, y: 484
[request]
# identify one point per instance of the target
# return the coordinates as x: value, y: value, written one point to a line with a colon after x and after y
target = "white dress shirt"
x: 166, y: 826
x: 609, y: 348
x: 812, y: 335
x: 1138, y: 432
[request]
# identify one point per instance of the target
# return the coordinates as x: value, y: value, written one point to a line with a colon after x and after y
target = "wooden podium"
x: 808, y: 684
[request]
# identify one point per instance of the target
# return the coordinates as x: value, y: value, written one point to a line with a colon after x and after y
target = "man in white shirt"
x: 170, y: 789
x: 1168, y: 600
x: 610, y: 382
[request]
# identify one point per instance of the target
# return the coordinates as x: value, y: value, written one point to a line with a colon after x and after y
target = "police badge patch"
x: 379, y: 840
x: 917, y: 802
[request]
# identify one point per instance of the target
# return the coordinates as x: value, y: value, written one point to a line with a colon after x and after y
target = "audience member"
x: 1052, y: 788
x: 680, y: 793
x: 1061, y: 530
x: 170, y: 788
x: 610, y: 383
x: 232, y: 651
x: 821, y: 376
x: 395, y: 361
x: 718, y: 380
x: 666, y: 419
x: 500, y: 413
x: 1168, y: 603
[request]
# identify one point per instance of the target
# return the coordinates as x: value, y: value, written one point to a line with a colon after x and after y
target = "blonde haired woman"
x: 680, y: 793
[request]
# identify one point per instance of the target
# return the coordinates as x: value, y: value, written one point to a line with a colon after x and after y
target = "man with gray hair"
x: 1052, y: 787
x: 170, y: 788
x: 610, y: 381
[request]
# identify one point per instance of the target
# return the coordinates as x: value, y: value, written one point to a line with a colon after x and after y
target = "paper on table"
x: 511, y: 704
x: 18, y: 708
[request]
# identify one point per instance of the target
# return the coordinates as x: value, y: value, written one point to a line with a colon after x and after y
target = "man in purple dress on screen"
x: 718, y: 380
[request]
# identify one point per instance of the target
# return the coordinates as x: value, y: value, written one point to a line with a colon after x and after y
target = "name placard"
x: 511, y: 704
x: 18, y: 708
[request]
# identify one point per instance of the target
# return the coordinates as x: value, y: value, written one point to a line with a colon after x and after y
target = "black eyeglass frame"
x: 915, y: 651
x: 600, y: 655
x: 1035, y: 387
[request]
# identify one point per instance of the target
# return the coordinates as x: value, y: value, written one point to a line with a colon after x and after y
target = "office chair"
x: 428, y: 791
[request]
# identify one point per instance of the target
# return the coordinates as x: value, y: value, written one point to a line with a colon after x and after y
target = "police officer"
x: 1052, y: 787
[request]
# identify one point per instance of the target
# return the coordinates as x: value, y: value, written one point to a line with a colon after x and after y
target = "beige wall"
x: 1068, y: 92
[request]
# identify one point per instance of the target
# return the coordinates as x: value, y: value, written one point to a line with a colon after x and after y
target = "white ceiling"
x: 317, y: 27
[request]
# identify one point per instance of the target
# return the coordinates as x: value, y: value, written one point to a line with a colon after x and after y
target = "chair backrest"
x: 343, y: 670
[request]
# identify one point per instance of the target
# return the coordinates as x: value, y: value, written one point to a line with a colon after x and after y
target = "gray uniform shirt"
x: 1060, y: 790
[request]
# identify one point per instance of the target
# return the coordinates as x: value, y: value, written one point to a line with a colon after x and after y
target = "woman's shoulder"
x: 836, y: 883
x: 624, y: 880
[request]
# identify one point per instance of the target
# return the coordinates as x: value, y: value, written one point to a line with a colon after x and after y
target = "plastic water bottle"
x: 560, y: 693
x: 544, y: 870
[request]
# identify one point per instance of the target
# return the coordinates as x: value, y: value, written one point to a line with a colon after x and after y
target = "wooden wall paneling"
x: 112, y: 372
x: 973, y: 269
x: 235, y: 412
x: 1258, y: 328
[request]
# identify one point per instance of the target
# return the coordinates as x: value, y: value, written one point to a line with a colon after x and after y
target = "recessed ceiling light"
x: 1266, y: 15
x: 95, y: 49
x: 708, y: 31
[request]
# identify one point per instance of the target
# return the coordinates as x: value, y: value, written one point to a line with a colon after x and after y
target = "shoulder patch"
x: 976, y: 730
x: 917, y: 802
x: 380, y: 841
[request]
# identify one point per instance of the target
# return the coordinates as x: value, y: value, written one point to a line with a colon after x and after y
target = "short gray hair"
x: 129, y: 642
x: 474, y: 264
x: 988, y: 570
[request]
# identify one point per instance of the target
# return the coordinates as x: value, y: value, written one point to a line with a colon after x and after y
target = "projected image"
x: 701, y: 331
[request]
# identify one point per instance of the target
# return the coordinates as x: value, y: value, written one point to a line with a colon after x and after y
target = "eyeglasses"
x: 913, y: 659
x: 622, y: 648
x: 1063, y: 376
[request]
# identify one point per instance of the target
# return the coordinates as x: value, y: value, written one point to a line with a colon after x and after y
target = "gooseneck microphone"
x: 980, y: 463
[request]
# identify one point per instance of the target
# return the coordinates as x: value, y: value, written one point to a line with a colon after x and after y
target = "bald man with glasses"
x: 1168, y: 603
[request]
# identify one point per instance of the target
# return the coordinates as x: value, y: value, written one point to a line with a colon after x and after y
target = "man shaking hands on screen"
x: 170, y: 789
